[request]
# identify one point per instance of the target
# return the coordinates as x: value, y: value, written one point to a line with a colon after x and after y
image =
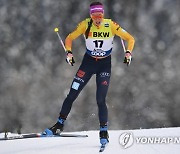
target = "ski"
x: 39, y: 135
x: 102, y: 147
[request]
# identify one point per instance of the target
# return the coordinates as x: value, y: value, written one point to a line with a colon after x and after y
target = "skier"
x: 99, y: 34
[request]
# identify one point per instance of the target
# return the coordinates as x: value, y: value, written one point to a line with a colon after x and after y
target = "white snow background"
x: 90, y: 144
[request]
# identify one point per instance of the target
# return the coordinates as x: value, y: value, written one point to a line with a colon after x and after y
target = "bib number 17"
x: 98, y: 43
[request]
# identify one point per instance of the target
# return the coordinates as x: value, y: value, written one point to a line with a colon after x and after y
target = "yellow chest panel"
x: 100, y: 39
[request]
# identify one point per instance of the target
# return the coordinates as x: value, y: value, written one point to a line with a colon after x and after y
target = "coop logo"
x: 127, y: 139
x: 98, y: 53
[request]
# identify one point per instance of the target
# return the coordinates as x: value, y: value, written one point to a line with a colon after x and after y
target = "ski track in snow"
x: 91, y: 145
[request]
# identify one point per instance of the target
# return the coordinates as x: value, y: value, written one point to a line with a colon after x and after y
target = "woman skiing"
x: 99, y: 34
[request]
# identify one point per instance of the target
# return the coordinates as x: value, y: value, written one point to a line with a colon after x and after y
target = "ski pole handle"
x: 124, y: 48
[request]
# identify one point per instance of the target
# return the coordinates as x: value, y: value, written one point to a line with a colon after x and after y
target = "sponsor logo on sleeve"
x: 123, y: 31
x: 118, y: 28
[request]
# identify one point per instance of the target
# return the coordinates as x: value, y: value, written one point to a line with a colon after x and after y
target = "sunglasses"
x: 96, y: 16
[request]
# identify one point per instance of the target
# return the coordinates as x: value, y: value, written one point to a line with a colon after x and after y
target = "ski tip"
x: 102, y: 147
x: 101, y: 150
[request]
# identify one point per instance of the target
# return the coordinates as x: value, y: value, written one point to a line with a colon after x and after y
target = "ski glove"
x: 127, y: 58
x: 69, y: 58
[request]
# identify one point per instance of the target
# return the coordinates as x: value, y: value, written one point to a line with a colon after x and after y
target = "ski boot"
x: 55, y: 129
x: 103, y: 134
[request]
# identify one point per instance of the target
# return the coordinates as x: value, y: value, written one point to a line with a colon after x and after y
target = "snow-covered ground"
x: 144, y: 141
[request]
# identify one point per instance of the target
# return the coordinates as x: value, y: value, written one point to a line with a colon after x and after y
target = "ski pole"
x: 69, y: 60
x: 124, y: 48
x: 122, y: 42
x: 57, y: 32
